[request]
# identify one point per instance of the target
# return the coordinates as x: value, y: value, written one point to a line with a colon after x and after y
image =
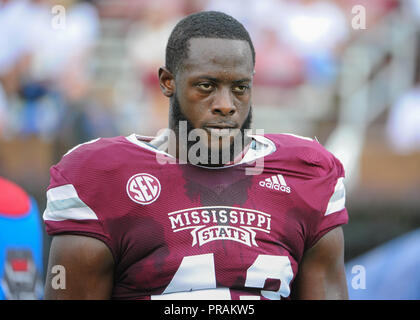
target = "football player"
x: 188, y: 214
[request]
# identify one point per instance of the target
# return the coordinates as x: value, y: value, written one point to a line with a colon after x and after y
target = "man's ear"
x: 166, y: 82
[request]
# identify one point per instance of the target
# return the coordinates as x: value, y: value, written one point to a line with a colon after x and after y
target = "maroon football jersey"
x: 182, y: 231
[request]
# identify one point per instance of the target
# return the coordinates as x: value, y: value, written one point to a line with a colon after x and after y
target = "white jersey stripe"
x: 298, y: 136
x: 339, y: 194
x: 59, y: 205
x: 70, y: 214
x: 338, y: 198
x: 79, y: 145
x: 66, y: 191
x: 335, y: 206
x: 275, y: 180
x: 63, y: 203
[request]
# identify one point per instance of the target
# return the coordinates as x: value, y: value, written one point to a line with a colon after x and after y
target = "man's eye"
x: 240, y: 89
x: 205, y: 86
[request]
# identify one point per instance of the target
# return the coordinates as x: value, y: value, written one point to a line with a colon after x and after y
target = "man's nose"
x: 223, y: 103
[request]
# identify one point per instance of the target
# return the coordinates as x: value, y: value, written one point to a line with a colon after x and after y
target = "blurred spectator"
x: 403, y: 127
x: 60, y: 56
x: 315, y: 30
x: 403, y: 123
x: 296, y: 39
x: 277, y: 63
x: 55, y: 40
x: 61, y: 48
x: 245, y: 11
x: 15, y: 17
x: 313, y: 25
x: 121, y: 9
x: 15, y: 34
x: 375, y: 9
x: 413, y: 7
x: 147, y: 54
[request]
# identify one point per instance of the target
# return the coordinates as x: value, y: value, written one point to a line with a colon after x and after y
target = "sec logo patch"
x: 143, y: 188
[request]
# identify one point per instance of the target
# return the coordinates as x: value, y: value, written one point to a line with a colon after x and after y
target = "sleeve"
x: 331, y: 198
x: 67, y: 210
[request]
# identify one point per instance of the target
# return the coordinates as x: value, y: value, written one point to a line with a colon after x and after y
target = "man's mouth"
x: 221, y: 129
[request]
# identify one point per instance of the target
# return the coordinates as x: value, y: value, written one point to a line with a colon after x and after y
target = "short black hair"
x: 205, y: 24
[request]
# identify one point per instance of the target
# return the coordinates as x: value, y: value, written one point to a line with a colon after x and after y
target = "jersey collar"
x: 260, y: 147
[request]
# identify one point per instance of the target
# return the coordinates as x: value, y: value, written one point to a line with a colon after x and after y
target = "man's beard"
x: 241, y: 139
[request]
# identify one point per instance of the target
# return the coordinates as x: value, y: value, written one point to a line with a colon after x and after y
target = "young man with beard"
x: 188, y: 214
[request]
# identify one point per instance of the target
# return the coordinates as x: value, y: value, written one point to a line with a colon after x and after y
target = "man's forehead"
x: 228, y: 53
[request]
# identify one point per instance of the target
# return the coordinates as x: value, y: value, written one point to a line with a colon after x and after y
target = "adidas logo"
x: 276, y: 182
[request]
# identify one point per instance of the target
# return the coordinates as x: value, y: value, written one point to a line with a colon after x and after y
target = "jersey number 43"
x: 195, y: 279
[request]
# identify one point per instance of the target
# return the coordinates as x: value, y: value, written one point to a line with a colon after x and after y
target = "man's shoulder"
x: 94, y: 149
x: 98, y: 154
x: 291, y: 140
x: 98, y: 158
x: 299, y: 152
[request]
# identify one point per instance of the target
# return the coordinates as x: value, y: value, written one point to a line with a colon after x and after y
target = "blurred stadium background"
x: 66, y: 79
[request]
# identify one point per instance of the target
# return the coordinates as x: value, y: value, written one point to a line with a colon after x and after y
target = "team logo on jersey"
x: 275, y: 182
x: 143, y: 188
x: 209, y: 224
